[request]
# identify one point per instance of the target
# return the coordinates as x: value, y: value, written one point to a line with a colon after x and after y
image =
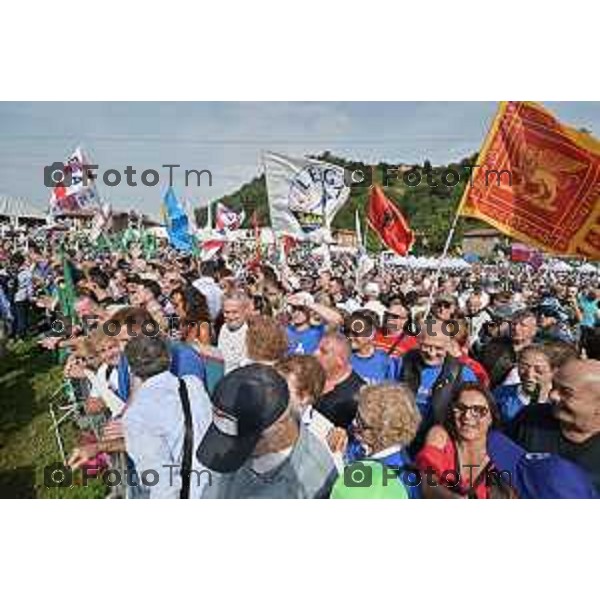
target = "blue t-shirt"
x: 184, y: 361
x: 399, y: 459
x: 304, y: 342
x: 429, y: 375
x: 375, y: 368
x: 508, y: 401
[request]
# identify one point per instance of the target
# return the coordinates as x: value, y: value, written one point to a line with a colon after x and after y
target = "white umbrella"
x: 586, y: 268
x: 560, y: 266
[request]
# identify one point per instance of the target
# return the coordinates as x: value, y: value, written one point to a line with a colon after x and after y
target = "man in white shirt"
x: 155, y: 428
x: 232, y: 337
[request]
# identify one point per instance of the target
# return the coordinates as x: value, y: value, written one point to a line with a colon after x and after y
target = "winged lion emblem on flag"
x: 538, y: 174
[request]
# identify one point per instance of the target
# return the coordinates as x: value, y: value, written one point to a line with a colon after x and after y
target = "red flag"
x: 389, y: 223
x: 210, y: 248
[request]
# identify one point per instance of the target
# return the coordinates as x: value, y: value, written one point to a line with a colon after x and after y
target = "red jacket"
x: 386, y: 342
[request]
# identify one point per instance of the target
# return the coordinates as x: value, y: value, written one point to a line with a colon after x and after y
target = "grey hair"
x: 237, y: 296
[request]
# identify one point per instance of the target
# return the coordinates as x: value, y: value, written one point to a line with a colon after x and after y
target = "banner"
x: 304, y: 195
x: 101, y: 221
x: 526, y: 254
x: 388, y: 222
x: 177, y: 223
x: 538, y: 181
x: 75, y: 192
x: 191, y: 215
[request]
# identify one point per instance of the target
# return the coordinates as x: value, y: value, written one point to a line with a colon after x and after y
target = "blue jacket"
x: 184, y: 361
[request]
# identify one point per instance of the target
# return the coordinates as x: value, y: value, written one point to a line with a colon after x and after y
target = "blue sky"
x: 228, y: 138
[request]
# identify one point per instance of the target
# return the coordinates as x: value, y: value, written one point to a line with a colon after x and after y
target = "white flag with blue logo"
x: 304, y: 195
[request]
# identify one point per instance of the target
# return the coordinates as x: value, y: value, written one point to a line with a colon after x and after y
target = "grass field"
x: 28, y: 378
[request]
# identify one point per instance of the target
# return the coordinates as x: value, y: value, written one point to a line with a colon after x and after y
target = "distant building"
x: 19, y: 211
x: 344, y: 237
x: 120, y: 220
x: 481, y: 241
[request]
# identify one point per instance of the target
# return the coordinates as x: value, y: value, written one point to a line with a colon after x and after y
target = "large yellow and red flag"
x: 538, y: 181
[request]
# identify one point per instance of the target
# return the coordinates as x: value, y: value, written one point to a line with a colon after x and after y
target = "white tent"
x: 586, y: 268
x: 560, y: 266
x: 159, y: 231
x: 16, y: 208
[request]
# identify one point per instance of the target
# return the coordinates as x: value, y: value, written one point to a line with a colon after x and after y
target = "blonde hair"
x: 390, y: 410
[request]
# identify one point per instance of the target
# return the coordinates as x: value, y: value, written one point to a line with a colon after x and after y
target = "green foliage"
x: 429, y: 209
x: 28, y: 378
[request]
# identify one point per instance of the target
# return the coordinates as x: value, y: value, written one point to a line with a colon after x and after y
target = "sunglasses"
x: 477, y: 411
x: 444, y: 304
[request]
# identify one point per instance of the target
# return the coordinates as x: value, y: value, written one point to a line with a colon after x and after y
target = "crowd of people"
x: 240, y: 377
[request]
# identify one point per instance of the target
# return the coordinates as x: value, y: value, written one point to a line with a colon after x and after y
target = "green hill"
x: 428, y: 209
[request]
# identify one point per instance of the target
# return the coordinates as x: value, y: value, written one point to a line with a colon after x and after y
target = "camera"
x: 62, y: 327
x: 56, y: 174
x: 359, y: 326
x: 358, y: 175
x: 358, y: 475
x: 58, y: 475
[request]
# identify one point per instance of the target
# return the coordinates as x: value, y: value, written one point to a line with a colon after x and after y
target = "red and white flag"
x: 227, y: 219
x: 75, y: 188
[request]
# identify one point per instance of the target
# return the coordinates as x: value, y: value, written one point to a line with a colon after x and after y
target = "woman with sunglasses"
x: 444, y: 307
x: 454, y: 462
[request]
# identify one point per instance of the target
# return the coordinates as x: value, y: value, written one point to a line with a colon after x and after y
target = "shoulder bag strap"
x: 188, y: 440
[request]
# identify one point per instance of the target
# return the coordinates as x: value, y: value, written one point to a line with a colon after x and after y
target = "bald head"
x: 334, y: 354
x: 587, y: 372
x: 576, y: 397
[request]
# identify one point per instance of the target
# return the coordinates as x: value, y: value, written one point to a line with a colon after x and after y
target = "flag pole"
x: 438, y: 272
x: 487, y: 141
x: 277, y: 243
x: 359, y: 246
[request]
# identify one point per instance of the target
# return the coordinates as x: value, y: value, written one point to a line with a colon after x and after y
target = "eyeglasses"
x: 478, y: 411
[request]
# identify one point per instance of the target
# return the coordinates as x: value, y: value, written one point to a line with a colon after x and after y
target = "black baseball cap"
x: 245, y: 403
